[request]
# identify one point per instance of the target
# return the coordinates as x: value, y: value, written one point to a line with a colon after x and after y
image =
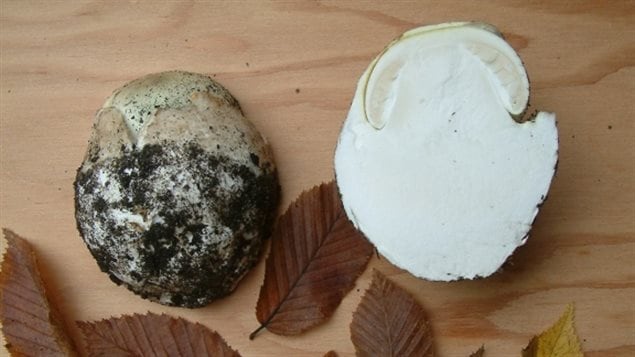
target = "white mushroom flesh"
x: 430, y: 163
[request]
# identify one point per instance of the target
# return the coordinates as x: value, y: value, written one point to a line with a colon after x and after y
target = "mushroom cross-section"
x: 431, y: 164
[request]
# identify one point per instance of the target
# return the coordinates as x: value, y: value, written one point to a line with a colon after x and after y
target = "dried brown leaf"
x: 30, y: 323
x: 559, y: 340
x: 316, y: 256
x: 389, y: 322
x: 152, y: 335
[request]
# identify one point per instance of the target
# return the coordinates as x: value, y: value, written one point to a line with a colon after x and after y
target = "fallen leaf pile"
x: 151, y: 335
x: 316, y: 256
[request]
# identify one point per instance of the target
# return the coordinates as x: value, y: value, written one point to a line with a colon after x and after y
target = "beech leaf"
x: 316, y: 256
x: 559, y: 340
x: 30, y: 323
x: 389, y: 322
x: 152, y: 335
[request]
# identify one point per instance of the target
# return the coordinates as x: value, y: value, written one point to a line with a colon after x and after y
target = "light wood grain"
x: 60, y: 60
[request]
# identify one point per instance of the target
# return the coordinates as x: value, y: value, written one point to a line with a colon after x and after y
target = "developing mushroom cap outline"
x: 430, y: 163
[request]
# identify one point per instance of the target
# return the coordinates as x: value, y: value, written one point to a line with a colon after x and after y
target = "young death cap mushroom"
x: 177, y: 189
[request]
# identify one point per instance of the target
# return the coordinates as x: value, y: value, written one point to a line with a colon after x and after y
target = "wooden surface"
x: 293, y: 66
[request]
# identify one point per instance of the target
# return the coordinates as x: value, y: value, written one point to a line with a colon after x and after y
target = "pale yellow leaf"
x: 560, y: 340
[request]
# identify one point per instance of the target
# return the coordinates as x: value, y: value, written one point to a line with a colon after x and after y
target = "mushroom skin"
x: 177, y: 190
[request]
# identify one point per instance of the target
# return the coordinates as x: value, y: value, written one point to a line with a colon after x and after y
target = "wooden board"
x: 293, y: 66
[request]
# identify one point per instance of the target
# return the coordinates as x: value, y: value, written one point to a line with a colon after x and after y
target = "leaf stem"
x: 253, y: 334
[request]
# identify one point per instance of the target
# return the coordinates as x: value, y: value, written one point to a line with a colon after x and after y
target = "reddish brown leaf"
x: 389, y: 322
x: 330, y: 354
x: 316, y: 256
x: 152, y: 335
x: 31, y: 325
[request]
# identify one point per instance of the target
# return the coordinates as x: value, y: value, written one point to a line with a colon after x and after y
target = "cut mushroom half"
x: 433, y: 162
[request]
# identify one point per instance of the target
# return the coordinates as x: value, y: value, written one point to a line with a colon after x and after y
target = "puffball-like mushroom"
x: 177, y: 190
x: 430, y: 163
